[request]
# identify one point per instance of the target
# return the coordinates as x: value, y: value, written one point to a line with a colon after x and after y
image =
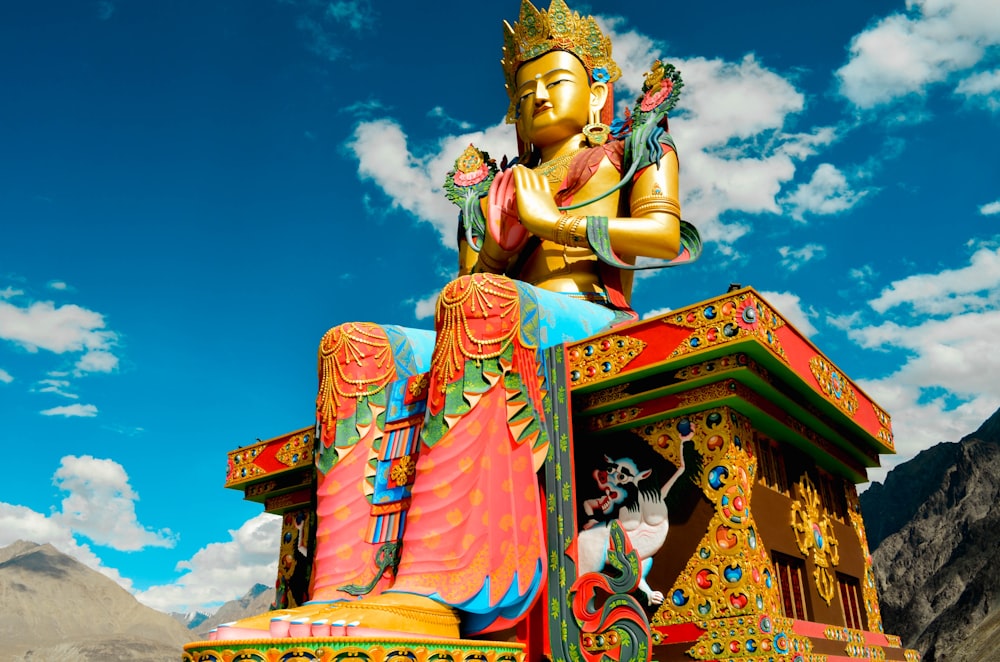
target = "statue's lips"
x: 542, y: 109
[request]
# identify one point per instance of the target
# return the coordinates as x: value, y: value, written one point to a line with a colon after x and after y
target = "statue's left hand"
x: 535, y: 204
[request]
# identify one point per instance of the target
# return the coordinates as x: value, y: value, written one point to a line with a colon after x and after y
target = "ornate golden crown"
x: 559, y: 29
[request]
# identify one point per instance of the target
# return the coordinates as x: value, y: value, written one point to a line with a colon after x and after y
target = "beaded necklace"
x: 556, y: 169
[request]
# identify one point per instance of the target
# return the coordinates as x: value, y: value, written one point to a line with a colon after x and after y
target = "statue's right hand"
x: 501, y: 213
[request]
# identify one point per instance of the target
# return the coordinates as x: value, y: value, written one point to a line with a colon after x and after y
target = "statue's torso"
x: 559, y: 268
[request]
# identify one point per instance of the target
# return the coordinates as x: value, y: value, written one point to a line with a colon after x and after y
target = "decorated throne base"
x: 329, y: 649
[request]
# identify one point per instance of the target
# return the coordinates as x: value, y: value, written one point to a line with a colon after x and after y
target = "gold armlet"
x: 649, y: 204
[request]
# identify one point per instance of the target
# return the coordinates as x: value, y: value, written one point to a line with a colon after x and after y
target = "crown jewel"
x: 559, y: 29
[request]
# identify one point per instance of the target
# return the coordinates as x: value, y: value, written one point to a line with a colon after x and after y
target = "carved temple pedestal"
x: 700, y: 504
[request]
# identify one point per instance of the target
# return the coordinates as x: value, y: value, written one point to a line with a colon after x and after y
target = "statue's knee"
x: 489, y: 300
x: 484, y: 280
x: 353, y: 334
x: 355, y: 357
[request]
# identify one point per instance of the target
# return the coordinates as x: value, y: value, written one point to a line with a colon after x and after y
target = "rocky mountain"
x: 934, y: 527
x: 56, y: 608
x: 256, y: 601
x: 191, y: 620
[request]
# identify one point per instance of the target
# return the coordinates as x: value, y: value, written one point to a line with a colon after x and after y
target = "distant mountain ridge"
x: 56, y: 608
x: 934, y: 528
x: 256, y: 601
x: 190, y: 620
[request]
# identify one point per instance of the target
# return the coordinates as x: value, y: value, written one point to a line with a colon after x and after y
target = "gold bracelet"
x: 493, y: 264
x: 561, y: 224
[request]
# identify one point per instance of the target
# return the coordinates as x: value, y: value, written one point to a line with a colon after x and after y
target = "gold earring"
x: 596, y: 132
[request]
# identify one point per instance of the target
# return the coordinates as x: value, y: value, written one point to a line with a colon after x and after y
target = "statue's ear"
x: 598, y: 95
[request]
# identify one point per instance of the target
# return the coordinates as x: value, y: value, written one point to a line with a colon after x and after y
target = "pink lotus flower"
x: 471, y: 178
x: 653, y: 99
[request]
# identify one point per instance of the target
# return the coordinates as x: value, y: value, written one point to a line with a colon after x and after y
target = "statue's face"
x: 554, y: 98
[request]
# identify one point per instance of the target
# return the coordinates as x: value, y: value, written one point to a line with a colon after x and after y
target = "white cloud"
x: 789, y: 306
x: 56, y: 387
x: 982, y: 83
x: 863, y: 274
x: 954, y: 355
x: 793, y: 258
x: 804, y: 145
x: 223, y: 570
x: 845, y: 322
x: 5, y: 377
x: 101, y: 505
x: 655, y: 312
x: 426, y: 307
x: 951, y: 291
x: 71, y: 411
x: 982, y: 89
x: 903, y: 54
x: 216, y: 573
x: 735, y: 99
x: 60, y: 329
x: 919, y: 423
x: 96, y: 361
x: 827, y: 192
x: 990, y: 208
x: 58, y: 285
x: 946, y: 385
x: 23, y: 523
x: 9, y: 293
x: 734, y: 157
x: 415, y: 183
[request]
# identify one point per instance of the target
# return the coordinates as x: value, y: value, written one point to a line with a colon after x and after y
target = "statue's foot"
x: 278, y: 624
x: 385, y: 615
x: 395, y: 614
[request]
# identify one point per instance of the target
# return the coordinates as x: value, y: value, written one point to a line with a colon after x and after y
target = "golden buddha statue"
x: 428, y: 444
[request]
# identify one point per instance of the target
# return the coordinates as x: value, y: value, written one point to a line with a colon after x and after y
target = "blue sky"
x: 192, y: 193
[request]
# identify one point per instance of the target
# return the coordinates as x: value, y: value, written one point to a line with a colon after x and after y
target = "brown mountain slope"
x: 939, y: 572
x: 53, y: 607
x: 256, y: 601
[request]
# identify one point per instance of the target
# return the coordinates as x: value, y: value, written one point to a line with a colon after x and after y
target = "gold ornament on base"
x: 813, y: 531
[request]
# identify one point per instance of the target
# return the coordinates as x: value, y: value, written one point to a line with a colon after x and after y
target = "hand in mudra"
x: 520, y: 202
x: 536, y: 206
